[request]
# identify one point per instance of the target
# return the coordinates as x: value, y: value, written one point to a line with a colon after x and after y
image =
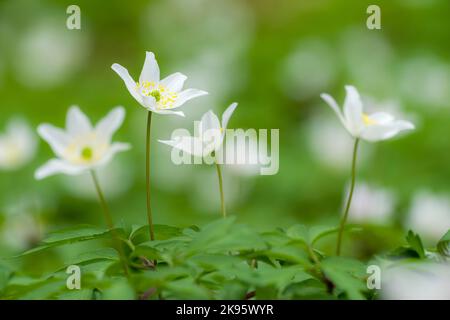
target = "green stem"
x: 147, y: 176
x: 349, y: 199
x: 222, y: 198
x: 109, y: 222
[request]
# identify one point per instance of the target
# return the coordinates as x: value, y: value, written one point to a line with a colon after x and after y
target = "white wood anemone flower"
x: 209, y: 134
x: 17, y: 145
x: 81, y: 147
x: 159, y: 96
x: 374, y: 127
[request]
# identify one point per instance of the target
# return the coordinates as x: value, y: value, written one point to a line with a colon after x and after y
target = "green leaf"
x: 443, y: 246
x: 70, y: 235
x: 348, y: 275
x: 224, y: 236
x: 415, y: 243
x: 310, y: 235
x: 119, y: 290
x: 5, y: 274
x: 186, y: 288
x: 161, y: 231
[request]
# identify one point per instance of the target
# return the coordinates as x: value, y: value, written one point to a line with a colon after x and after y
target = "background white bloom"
x: 374, y: 127
x: 429, y: 215
x: 209, y: 134
x: 81, y: 147
x: 420, y: 281
x: 159, y: 96
x: 22, y: 230
x: 371, y: 204
x: 17, y: 145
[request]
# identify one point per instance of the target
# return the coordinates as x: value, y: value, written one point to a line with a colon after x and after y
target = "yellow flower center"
x: 87, y: 153
x: 165, y: 98
x: 367, y: 120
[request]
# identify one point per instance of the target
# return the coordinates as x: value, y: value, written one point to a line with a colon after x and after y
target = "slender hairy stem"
x: 222, y: 198
x: 109, y: 222
x: 349, y: 199
x: 147, y: 176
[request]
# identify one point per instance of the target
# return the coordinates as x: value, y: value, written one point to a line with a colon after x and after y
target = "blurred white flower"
x: 416, y: 281
x: 22, y: 230
x: 81, y: 147
x: 429, y: 215
x: 308, y: 70
x: 17, y: 145
x: 210, y: 134
x: 159, y: 96
x: 49, y: 54
x: 371, y: 205
x: 425, y: 80
x: 375, y: 127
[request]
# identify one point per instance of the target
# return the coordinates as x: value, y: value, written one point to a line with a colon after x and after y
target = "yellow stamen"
x: 367, y: 120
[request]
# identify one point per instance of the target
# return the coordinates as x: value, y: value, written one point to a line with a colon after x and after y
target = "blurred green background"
x: 274, y: 58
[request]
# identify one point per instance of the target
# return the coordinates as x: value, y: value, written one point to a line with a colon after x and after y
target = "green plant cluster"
x: 222, y: 260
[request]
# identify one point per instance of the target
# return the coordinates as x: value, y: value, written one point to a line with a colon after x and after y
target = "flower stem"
x: 222, y: 198
x: 147, y: 176
x: 109, y: 222
x: 349, y: 199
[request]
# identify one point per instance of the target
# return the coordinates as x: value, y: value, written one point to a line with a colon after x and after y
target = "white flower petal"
x: 209, y: 121
x: 113, y: 149
x: 77, y: 123
x: 55, y: 166
x: 227, y: 115
x: 174, y: 82
x: 128, y: 80
x: 375, y: 133
x: 149, y: 102
x: 333, y: 104
x: 381, y: 117
x: 188, y: 144
x: 353, y: 110
x: 57, y: 138
x: 168, y: 111
x: 187, y: 95
x: 106, y: 127
x: 150, y: 71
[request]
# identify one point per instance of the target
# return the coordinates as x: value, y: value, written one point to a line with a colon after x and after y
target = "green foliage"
x: 222, y: 260
x: 443, y: 245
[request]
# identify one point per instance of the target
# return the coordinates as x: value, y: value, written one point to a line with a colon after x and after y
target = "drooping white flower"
x: 81, y: 146
x: 17, y: 145
x: 159, y: 96
x: 374, y: 127
x: 210, y: 133
x: 416, y: 281
x: 429, y: 215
